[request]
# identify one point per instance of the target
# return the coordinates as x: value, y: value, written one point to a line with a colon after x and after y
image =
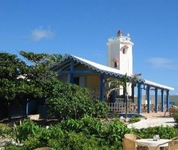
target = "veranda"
x: 132, y: 108
x: 92, y: 75
x: 119, y: 107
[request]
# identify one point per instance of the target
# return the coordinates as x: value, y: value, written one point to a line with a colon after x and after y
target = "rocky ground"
x: 3, y: 141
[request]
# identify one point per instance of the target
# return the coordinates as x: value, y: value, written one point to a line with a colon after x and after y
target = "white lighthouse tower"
x: 120, y: 55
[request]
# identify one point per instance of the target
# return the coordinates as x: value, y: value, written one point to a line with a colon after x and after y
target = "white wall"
x: 125, y: 63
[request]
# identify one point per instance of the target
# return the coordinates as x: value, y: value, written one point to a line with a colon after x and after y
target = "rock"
x: 3, y: 141
x: 34, y: 117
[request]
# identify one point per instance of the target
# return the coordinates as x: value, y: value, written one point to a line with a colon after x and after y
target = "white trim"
x: 95, y: 66
x: 158, y: 85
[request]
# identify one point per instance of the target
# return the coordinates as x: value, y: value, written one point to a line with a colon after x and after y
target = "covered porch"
x: 92, y: 75
x: 147, y: 103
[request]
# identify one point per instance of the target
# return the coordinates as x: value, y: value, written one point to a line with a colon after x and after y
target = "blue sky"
x: 82, y: 28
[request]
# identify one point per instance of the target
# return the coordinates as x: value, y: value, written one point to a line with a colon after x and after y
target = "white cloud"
x: 163, y: 63
x: 40, y: 33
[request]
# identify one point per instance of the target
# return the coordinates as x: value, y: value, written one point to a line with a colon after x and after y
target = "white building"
x: 120, y: 55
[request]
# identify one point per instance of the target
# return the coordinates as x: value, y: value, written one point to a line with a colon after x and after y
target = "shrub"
x: 10, y: 146
x: 33, y: 136
x: 85, y: 134
x: 108, y: 134
x: 175, y: 116
x: 80, y: 141
x: 5, y: 130
x: 72, y: 101
x: 26, y: 128
x: 167, y: 132
x: 87, y: 125
x: 134, y: 119
x: 115, y: 133
x: 100, y: 109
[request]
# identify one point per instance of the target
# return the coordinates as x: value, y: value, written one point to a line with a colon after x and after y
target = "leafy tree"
x: 28, y: 81
x: 71, y: 101
x: 19, y: 81
x: 11, y: 69
x: 38, y: 75
x: 39, y: 68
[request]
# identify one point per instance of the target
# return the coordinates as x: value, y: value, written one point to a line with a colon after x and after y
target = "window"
x: 115, y: 64
x: 124, y: 50
x: 76, y: 80
x: 115, y: 60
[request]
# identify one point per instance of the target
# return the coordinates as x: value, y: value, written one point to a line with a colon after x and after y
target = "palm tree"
x: 116, y: 84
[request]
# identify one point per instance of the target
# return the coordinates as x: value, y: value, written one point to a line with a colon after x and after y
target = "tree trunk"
x: 126, y: 105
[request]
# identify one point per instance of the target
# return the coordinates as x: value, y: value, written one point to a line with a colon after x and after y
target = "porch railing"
x: 121, y: 107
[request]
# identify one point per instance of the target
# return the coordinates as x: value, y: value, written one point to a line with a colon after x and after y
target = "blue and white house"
x: 92, y: 75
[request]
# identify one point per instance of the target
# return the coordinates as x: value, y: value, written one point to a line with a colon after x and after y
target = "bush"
x: 100, y: 109
x: 106, y: 134
x: 85, y: 133
x: 115, y: 132
x: 33, y: 136
x: 135, y: 118
x: 175, y: 116
x: 25, y: 129
x: 88, y: 125
x: 167, y: 132
x: 5, y: 130
x: 71, y: 101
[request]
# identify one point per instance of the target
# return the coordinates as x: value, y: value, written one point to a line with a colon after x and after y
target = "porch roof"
x: 64, y: 64
x: 158, y: 85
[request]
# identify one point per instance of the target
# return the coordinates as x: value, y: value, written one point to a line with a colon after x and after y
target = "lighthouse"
x: 120, y: 55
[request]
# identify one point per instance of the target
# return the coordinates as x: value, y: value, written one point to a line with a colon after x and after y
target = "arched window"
x: 115, y: 64
x: 124, y: 49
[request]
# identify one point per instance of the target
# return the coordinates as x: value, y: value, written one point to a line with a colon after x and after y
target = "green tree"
x: 11, y: 69
x: 19, y: 81
x: 38, y: 75
x: 34, y: 79
x: 39, y: 68
x: 71, y: 101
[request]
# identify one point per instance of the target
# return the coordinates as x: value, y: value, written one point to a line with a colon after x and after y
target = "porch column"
x: 132, y: 87
x: 139, y: 100
x: 167, y: 99
x: 162, y: 100
x: 71, y: 71
x: 156, y: 99
x: 101, y: 87
x: 114, y: 96
x: 148, y: 97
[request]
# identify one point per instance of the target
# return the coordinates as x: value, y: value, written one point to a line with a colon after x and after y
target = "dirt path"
x: 153, y: 119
